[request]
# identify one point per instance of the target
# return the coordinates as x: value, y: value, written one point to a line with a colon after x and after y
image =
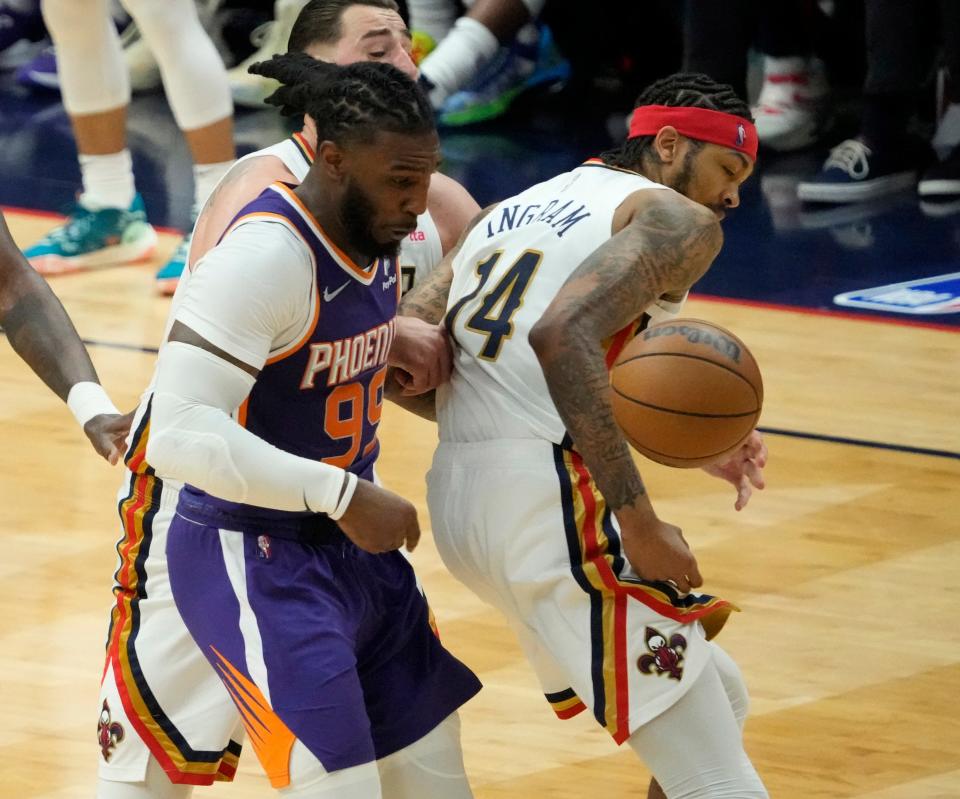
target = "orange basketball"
x: 686, y: 392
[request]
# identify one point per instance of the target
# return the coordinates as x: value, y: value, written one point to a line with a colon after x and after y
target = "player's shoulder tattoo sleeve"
x: 665, y: 247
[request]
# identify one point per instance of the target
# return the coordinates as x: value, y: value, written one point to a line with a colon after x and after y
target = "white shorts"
x: 158, y: 693
x: 521, y: 523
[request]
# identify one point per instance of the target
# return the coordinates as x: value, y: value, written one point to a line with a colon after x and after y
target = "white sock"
x: 434, y: 17
x: 205, y: 179
x: 458, y: 58
x: 107, y: 181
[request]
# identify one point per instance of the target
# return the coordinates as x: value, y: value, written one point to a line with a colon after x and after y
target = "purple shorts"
x: 315, y: 639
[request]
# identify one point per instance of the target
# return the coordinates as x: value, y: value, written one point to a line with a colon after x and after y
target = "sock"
x: 433, y: 17
x: 458, y: 58
x: 205, y: 178
x: 107, y: 181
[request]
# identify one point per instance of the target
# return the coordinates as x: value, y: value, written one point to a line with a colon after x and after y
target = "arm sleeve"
x: 249, y: 295
x: 194, y: 439
x: 252, y: 293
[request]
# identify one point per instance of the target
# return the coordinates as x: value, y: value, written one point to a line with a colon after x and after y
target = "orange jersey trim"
x: 365, y: 276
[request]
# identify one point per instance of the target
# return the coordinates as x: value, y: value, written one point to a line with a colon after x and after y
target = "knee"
x: 65, y: 18
x: 733, y: 684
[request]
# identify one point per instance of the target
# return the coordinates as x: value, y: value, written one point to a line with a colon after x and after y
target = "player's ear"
x: 331, y: 160
x: 666, y: 143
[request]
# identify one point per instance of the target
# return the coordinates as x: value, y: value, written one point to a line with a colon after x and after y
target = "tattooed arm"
x: 41, y: 333
x: 663, y: 243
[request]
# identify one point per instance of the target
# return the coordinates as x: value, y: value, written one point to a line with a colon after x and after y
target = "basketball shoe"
x: 855, y: 171
x: 95, y: 238
x: 789, y: 109
x: 514, y: 70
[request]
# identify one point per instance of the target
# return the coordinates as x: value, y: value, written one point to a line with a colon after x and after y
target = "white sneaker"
x: 251, y: 90
x: 788, y: 109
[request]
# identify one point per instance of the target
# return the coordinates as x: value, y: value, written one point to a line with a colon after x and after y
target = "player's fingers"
x: 693, y: 574
x: 413, y: 536
x: 446, y: 360
x: 744, y: 492
x: 113, y: 456
x: 754, y: 471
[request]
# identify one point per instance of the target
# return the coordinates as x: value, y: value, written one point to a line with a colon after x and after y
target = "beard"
x: 681, y: 183
x: 356, y: 215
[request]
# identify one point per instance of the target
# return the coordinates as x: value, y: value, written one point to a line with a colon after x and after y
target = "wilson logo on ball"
x: 697, y: 335
x: 686, y: 393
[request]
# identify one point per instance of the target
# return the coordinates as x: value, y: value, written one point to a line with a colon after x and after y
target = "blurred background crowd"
x: 871, y: 86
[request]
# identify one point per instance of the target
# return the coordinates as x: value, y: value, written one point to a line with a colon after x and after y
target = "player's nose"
x: 403, y: 61
x: 731, y: 198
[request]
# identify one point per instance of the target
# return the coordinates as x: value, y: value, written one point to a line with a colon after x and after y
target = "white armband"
x: 193, y: 439
x: 87, y: 400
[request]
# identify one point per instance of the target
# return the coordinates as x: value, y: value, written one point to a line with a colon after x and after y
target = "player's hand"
x: 379, y: 521
x: 422, y: 354
x: 657, y: 550
x: 744, y: 471
x: 107, y: 432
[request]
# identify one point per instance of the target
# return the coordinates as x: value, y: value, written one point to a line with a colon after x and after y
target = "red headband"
x: 715, y: 127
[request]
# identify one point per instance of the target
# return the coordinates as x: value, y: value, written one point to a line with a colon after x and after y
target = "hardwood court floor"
x: 847, y: 570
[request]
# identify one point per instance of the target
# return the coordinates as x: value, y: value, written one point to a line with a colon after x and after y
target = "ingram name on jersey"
x: 507, y: 272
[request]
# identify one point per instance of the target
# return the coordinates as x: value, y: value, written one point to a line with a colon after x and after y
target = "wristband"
x: 87, y: 400
x: 348, y: 490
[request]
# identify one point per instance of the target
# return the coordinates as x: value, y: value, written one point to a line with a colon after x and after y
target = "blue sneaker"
x: 512, y: 71
x: 40, y: 71
x: 90, y: 239
x: 169, y: 275
x: 855, y: 172
x: 21, y: 33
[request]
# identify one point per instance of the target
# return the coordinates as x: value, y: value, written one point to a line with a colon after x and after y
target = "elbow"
x: 545, y: 335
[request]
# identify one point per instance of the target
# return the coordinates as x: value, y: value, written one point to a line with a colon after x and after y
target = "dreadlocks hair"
x: 681, y: 90
x: 350, y: 102
x: 319, y: 21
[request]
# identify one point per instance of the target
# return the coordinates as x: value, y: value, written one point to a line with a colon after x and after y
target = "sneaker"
x: 21, y: 33
x: 168, y: 275
x: 251, y: 90
x: 90, y: 239
x: 942, y: 179
x: 788, y: 110
x: 40, y: 71
x: 854, y: 172
x: 512, y: 71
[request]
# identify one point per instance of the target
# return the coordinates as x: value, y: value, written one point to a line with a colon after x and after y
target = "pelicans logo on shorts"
x: 109, y: 732
x: 664, y: 658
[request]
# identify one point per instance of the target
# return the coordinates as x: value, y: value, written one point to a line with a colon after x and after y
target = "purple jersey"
x: 321, y: 397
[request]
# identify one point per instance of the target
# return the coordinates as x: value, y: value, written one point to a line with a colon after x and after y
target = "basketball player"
x: 109, y: 224
x: 41, y: 333
x: 535, y: 500
x: 342, y: 32
x: 295, y: 279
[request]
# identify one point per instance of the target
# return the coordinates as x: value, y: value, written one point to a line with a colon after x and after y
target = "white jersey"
x: 508, y: 271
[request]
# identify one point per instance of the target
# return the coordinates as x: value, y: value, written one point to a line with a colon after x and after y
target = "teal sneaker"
x: 169, y: 275
x: 91, y: 239
x: 514, y: 70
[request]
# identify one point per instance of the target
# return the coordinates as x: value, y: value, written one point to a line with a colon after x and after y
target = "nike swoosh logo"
x: 329, y: 296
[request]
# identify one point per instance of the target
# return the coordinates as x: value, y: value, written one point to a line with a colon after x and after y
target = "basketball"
x: 686, y: 392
